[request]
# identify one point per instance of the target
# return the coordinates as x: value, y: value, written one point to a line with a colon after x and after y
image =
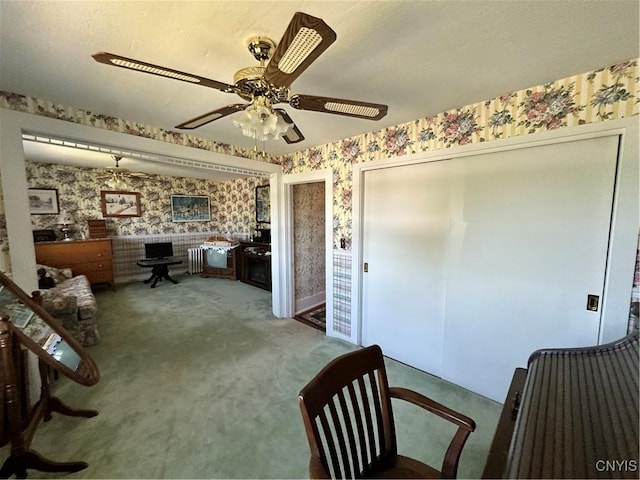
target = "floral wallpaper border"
x: 44, y: 108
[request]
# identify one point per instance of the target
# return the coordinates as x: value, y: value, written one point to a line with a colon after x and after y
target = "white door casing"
x: 286, y: 215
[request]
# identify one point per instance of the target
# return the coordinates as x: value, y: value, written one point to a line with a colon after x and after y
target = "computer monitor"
x: 158, y: 250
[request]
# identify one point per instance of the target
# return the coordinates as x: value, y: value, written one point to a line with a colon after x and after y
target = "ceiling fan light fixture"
x: 352, y: 109
x: 305, y: 42
x: 261, y: 122
x: 248, y: 73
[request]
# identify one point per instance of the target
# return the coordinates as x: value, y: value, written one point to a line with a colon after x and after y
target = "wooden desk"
x: 572, y: 413
x: 160, y: 269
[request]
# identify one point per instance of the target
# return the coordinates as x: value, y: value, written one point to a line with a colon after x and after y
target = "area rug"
x: 315, y: 317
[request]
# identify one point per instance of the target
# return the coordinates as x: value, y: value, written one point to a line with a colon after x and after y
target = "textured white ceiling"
x: 419, y: 57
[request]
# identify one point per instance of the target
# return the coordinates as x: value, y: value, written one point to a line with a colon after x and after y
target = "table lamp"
x: 66, y: 222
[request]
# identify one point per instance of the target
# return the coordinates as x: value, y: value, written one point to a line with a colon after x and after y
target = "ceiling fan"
x: 263, y: 86
x: 116, y: 176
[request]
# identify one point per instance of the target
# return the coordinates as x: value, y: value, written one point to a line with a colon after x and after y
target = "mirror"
x: 263, y: 204
x: 38, y: 331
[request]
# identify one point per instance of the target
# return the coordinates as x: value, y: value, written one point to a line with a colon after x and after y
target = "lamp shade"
x: 259, y: 121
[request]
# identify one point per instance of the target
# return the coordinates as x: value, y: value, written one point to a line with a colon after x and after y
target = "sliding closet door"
x: 406, y: 225
x: 475, y: 262
x: 536, y: 233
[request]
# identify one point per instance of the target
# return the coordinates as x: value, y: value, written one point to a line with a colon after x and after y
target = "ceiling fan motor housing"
x: 261, y: 48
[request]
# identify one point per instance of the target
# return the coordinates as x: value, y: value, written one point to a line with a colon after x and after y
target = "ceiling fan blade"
x: 339, y: 106
x: 213, y: 115
x: 137, y: 65
x: 293, y: 135
x: 304, y: 40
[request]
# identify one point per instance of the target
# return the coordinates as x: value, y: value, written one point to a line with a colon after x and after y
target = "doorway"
x: 309, y: 240
x: 309, y: 260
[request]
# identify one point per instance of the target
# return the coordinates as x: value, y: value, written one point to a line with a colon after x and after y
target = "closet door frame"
x: 625, y: 223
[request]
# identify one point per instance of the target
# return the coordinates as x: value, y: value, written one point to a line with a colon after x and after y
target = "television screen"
x: 158, y: 250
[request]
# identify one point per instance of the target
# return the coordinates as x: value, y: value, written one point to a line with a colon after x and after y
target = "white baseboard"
x: 304, y: 304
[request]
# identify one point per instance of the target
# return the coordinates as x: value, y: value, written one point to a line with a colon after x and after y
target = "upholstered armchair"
x: 72, y: 303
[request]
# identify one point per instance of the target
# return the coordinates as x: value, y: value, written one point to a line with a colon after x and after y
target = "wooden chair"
x: 346, y: 409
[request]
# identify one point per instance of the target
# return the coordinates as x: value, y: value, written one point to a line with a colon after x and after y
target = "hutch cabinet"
x: 255, y: 264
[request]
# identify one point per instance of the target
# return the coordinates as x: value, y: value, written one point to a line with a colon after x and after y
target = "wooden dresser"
x: 92, y: 258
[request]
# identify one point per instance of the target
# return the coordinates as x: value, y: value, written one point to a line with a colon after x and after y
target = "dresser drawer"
x: 93, y: 251
x: 104, y: 276
x: 92, y: 267
x: 73, y: 252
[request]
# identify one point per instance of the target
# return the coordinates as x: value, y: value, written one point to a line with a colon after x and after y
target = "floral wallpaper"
x: 634, y: 309
x: 5, y: 262
x: 232, y: 203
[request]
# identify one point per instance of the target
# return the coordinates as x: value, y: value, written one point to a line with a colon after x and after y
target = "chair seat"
x: 405, y: 467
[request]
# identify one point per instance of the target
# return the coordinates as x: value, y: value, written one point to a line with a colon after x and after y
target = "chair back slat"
x: 339, y: 435
x: 326, y: 444
x: 364, y: 454
x: 377, y: 401
x: 349, y: 416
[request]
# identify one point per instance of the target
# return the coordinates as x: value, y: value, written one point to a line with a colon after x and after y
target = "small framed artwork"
x: 20, y: 315
x: 263, y: 210
x: 120, y: 204
x: 190, y: 208
x: 43, y: 201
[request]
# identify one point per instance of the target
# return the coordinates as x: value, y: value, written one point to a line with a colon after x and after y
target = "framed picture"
x: 120, y: 204
x: 43, y: 201
x: 190, y: 208
x: 20, y: 314
x: 263, y: 210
